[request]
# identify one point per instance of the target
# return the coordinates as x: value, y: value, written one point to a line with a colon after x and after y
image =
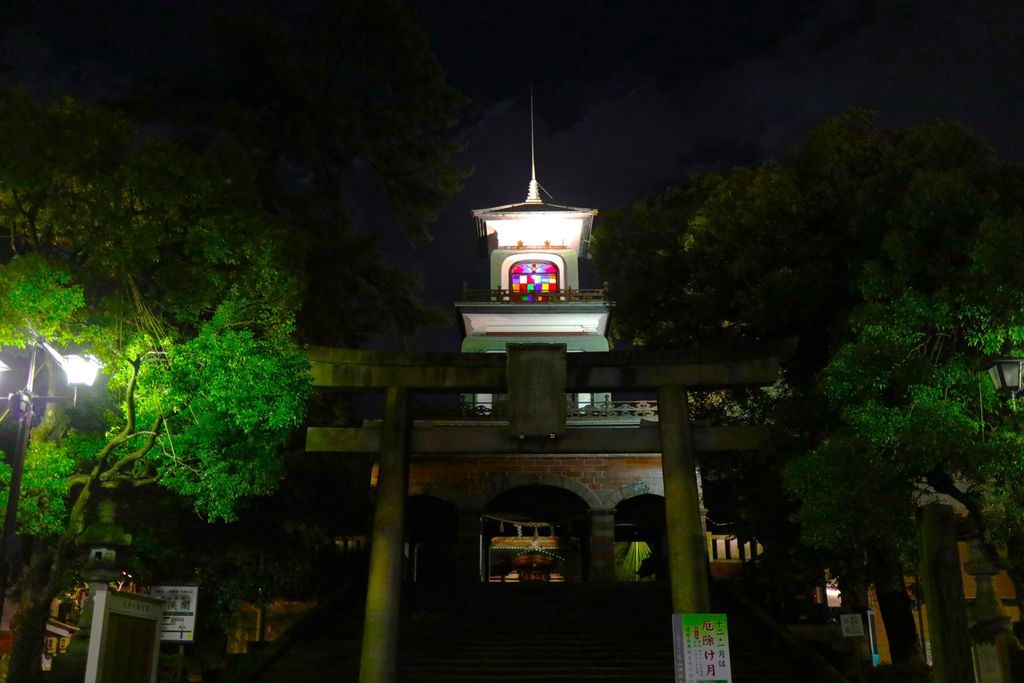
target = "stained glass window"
x: 533, y: 280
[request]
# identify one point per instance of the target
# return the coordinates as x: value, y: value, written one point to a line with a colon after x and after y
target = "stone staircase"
x: 569, y: 632
x: 539, y: 632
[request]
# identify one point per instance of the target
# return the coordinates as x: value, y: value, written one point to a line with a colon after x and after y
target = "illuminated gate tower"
x: 534, y: 249
x: 531, y: 516
x: 486, y: 503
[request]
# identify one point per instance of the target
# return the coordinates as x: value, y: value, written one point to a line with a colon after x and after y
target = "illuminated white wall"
x: 536, y: 230
x: 518, y: 321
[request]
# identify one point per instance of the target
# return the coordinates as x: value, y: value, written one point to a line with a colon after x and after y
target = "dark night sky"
x: 630, y: 97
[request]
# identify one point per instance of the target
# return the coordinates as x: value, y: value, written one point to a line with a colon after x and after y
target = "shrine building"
x: 538, y: 517
x: 539, y: 472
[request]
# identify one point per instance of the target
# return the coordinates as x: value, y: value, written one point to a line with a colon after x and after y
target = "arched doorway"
x: 536, y: 533
x: 641, y: 550
x: 431, y: 527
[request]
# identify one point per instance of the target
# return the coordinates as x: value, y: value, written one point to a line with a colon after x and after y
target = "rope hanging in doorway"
x: 531, y: 525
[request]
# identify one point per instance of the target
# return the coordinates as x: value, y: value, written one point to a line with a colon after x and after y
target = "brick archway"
x: 446, y: 493
x: 653, y: 486
x: 507, y: 482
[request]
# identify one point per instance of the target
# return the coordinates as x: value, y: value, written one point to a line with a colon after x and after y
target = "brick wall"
x: 470, y: 481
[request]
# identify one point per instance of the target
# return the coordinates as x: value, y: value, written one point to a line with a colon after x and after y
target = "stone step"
x: 528, y: 632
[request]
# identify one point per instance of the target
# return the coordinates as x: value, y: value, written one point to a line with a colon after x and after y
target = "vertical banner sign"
x: 876, y: 656
x: 701, y: 645
x: 179, y: 623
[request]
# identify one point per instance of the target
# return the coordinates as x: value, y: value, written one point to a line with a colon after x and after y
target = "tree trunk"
x: 897, y: 610
x: 41, y: 579
x: 41, y: 582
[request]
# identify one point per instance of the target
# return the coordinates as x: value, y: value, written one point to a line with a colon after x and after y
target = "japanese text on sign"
x: 701, y: 643
x: 179, y: 621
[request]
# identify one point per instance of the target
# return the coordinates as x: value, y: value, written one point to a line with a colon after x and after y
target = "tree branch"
x: 115, y: 469
x: 30, y: 218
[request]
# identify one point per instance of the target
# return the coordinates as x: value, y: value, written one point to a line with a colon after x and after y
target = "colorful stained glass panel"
x: 534, y: 276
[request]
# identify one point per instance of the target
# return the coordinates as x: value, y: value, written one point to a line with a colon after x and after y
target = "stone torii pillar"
x: 384, y: 589
x: 943, y: 590
x: 687, y: 545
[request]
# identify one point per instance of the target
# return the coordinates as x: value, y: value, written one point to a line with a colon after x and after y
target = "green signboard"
x: 701, y: 644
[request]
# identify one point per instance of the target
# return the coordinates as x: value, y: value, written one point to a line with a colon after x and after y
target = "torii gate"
x: 532, y: 375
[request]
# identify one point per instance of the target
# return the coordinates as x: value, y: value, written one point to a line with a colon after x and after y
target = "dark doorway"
x: 641, y: 549
x: 431, y: 527
x: 536, y: 533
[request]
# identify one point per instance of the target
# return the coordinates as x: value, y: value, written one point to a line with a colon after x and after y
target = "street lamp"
x: 78, y: 370
x: 1006, y: 374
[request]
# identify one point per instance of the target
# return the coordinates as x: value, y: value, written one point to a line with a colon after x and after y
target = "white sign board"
x: 701, y: 644
x: 125, y: 642
x: 179, y: 622
x: 852, y: 625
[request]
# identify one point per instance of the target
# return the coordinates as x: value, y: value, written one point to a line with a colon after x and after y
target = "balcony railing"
x: 598, y: 410
x: 508, y: 296
x: 614, y: 409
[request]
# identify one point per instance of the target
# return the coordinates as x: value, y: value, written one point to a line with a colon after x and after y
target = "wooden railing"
x: 508, y: 296
x: 729, y: 548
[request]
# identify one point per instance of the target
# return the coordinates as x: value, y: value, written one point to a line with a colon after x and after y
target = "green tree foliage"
x: 344, y: 99
x: 893, y: 256
x: 752, y: 253
x: 159, y: 263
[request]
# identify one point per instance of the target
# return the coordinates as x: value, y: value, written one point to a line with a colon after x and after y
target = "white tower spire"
x: 533, y: 193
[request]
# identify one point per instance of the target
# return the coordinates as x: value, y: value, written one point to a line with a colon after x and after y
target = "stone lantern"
x: 101, y: 539
x: 993, y: 638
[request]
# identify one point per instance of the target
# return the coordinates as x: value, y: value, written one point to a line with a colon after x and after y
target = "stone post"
x: 943, y: 589
x: 687, y: 546
x: 991, y: 633
x: 602, y: 545
x: 384, y: 590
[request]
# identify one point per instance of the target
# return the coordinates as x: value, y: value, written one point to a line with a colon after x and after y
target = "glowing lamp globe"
x: 77, y: 369
x: 81, y: 369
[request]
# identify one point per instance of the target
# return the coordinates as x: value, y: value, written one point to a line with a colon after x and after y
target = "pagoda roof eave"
x: 531, y: 207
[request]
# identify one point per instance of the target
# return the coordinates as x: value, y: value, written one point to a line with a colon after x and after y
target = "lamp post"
x: 78, y: 370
